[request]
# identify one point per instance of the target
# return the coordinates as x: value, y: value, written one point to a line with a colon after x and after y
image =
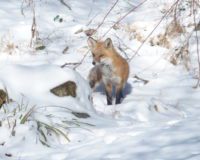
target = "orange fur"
x: 113, y: 68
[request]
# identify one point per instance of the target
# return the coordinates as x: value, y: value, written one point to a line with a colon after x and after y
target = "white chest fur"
x: 109, y: 71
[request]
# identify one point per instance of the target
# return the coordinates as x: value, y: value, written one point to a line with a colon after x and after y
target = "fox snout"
x: 96, y: 60
x: 93, y: 62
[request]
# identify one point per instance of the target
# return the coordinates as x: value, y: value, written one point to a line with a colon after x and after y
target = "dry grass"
x: 174, y: 29
x: 161, y: 40
x: 7, y: 45
x: 134, y: 32
x: 181, y: 56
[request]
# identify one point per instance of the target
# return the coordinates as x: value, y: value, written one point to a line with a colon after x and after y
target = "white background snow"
x: 155, y: 121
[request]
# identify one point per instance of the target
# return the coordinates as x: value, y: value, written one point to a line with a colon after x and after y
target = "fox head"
x: 100, y: 49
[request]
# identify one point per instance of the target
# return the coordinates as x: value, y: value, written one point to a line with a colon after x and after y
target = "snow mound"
x: 35, y: 82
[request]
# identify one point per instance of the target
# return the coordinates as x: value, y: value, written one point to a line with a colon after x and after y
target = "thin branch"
x: 70, y: 63
x: 164, y: 16
x: 88, y: 51
x: 34, y: 26
x: 124, y: 43
x: 175, y: 12
x: 77, y: 64
x: 105, y: 16
x: 65, y: 4
x: 22, y: 9
x: 141, y: 79
x: 13, y: 128
x: 121, y: 49
x: 90, y: 21
x: 133, y: 9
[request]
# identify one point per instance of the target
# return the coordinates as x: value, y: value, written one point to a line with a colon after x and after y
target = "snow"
x: 158, y: 120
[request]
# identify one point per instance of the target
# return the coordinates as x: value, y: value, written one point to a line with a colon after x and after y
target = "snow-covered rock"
x: 35, y: 83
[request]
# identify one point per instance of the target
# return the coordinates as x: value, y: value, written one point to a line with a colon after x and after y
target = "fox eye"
x: 93, y: 54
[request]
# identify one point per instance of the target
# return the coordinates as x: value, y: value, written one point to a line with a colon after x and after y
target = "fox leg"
x: 108, y: 88
x: 119, y: 94
x: 92, y: 84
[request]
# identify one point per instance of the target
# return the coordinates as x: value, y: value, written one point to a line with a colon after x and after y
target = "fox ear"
x: 108, y: 43
x: 91, y: 42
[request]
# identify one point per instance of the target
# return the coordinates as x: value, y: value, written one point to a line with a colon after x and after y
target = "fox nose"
x: 93, y: 63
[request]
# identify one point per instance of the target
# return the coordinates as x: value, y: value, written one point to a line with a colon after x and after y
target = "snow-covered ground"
x: 158, y: 120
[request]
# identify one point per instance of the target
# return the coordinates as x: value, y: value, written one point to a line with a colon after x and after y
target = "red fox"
x: 110, y: 68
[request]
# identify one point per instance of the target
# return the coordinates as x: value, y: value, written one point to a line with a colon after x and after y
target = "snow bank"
x: 35, y: 83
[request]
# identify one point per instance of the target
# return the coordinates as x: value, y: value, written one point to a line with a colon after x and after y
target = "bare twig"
x: 91, y: 20
x: 163, y: 17
x: 82, y: 59
x: 22, y: 9
x: 13, y: 128
x: 34, y: 26
x: 175, y: 12
x: 132, y: 5
x: 105, y: 16
x: 65, y: 49
x: 121, y: 49
x: 65, y: 4
x: 76, y: 64
x: 141, y: 79
x: 119, y: 20
x: 121, y: 41
x: 9, y: 126
x: 67, y: 64
x: 28, y: 3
